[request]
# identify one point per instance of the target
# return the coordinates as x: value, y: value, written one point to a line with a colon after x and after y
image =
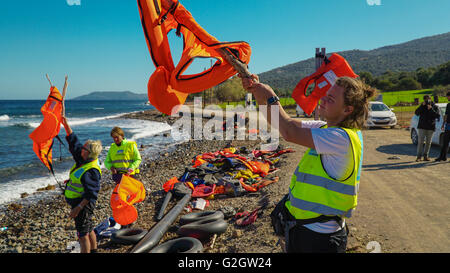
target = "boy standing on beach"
x: 83, y: 187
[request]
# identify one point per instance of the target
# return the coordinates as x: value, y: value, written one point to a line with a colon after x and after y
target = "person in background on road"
x: 428, y: 112
x: 123, y: 156
x: 446, y: 128
x: 324, y: 186
x: 83, y: 186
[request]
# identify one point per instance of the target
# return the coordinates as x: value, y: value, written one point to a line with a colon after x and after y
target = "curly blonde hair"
x: 357, y: 94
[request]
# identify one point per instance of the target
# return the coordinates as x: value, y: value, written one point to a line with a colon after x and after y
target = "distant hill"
x: 112, y: 95
x: 409, y: 56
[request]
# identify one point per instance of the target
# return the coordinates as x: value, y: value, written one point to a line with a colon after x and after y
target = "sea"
x: 20, y: 169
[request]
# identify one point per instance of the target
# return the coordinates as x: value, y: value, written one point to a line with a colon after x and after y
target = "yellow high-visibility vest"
x: 122, y: 156
x: 313, y: 192
x: 74, y: 188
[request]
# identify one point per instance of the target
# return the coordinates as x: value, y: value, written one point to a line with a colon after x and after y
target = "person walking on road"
x: 446, y: 128
x: 428, y: 112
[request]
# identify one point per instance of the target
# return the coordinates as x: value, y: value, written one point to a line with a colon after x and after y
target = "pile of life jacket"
x: 229, y: 171
x: 168, y: 87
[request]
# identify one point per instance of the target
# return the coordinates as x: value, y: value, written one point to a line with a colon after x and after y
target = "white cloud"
x: 73, y: 2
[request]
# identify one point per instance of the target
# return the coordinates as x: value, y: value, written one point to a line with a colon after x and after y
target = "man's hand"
x: 113, y: 170
x: 74, y: 212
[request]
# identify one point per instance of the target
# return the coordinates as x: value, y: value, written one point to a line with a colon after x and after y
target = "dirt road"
x: 404, y: 206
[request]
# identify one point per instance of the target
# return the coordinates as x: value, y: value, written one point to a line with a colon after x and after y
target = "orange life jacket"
x: 128, y: 192
x: 167, y: 86
x: 49, y: 128
x: 331, y: 69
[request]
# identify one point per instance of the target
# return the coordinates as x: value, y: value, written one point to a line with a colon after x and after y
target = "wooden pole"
x: 240, y: 67
x: 46, y: 75
x: 63, y: 96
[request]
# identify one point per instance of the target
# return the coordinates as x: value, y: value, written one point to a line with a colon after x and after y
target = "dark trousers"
x: 444, y: 147
x: 304, y: 240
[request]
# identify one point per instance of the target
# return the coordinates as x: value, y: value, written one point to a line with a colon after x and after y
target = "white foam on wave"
x: 82, y: 121
x: 12, y: 190
x: 137, y: 130
x: 148, y: 129
x: 4, y: 117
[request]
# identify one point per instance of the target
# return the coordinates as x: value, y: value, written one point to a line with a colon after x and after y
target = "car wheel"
x: 414, y: 137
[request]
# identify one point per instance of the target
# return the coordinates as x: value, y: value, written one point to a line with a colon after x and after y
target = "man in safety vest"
x: 123, y: 156
x: 323, y: 189
x: 83, y: 186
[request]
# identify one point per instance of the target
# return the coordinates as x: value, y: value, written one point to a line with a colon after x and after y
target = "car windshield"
x: 379, y: 107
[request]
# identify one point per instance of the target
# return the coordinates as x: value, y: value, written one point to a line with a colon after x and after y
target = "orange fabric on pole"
x: 332, y: 68
x: 128, y: 192
x: 168, y: 87
x: 49, y: 128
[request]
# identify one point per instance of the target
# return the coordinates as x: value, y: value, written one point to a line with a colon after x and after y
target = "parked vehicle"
x: 438, y: 133
x: 380, y: 115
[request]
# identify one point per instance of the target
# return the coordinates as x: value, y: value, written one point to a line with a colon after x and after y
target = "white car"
x: 380, y: 115
x: 438, y: 133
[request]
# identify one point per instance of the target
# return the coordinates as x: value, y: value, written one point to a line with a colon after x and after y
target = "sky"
x: 101, y: 46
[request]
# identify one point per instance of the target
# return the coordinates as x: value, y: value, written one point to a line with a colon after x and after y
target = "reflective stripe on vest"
x: 122, y: 156
x: 74, y: 188
x: 313, y: 192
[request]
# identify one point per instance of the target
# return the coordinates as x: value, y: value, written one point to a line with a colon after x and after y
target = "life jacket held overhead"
x: 327, y: 74
x: 49, y: 128
x: 168, y: 87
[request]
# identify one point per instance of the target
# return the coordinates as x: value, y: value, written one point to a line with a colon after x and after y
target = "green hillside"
x: 409, y: 56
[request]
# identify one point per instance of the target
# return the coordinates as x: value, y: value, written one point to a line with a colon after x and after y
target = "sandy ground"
x: 403, y: 205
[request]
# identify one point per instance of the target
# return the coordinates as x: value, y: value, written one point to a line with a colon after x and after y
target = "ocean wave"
x: 26, y: 125
x: 4, y: 117
x: 149, y: 129
x: 82, y: 121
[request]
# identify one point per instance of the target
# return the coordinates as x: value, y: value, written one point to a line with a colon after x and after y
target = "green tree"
x: 231, y: 90
x: 424, y: 76
x: 367, y: 77
x: 408, y: 83
x: 442, y: 75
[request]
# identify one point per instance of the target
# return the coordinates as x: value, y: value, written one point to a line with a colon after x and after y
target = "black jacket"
x: 427, y: 117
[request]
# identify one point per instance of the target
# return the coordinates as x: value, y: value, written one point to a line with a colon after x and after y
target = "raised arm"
x: 66, y: 126
x: 290, y: 129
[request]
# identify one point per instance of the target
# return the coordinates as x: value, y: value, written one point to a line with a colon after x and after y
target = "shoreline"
x: 44, y: 227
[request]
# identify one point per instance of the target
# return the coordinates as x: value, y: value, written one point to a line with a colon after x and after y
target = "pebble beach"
x: 44, y: 226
